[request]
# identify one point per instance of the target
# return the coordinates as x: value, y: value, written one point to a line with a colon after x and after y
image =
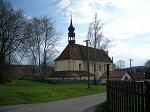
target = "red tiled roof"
x: 120, y: 69
x: 64, y: 74
x: 78, y: 52
x: 138, y: 76
x: 114, y: 74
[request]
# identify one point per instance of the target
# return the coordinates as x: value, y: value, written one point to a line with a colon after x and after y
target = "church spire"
x: 71, y: 34
x: 71, y: 20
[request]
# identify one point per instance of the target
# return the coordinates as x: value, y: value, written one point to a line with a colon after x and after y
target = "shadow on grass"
x: 103, y: 107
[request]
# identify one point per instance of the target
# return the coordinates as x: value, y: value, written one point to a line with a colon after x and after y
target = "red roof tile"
x: 114, y: 74
x: 78, y: 52
x: 138, y: 76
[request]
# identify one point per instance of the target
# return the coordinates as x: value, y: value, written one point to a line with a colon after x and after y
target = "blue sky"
x: 126, y: 23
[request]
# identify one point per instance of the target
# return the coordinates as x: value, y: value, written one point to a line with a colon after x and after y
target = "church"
x: 72, y: 62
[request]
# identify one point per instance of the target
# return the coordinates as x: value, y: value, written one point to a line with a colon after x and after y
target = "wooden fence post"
x: 107, y: 94
x: 108, y: 86
x: 147, y: 96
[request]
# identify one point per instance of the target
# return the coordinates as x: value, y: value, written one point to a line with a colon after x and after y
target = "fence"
x: 124, y: 96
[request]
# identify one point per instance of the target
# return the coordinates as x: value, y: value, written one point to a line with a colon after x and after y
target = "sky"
x: 126, y: 23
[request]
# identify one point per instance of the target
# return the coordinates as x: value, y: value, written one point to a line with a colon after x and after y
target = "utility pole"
x: 130, y: 62
x: 107, y: 72
x: 87, y: 47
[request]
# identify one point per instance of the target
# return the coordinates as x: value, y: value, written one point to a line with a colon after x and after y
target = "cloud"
x: 124, y: 21
x: 82, y: 10
x: 134, y: 48
x: 126, y: 14
x: 127, y: 27
x: 122, y: 18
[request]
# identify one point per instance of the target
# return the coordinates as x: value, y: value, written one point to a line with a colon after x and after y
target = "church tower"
x: 71, y: 34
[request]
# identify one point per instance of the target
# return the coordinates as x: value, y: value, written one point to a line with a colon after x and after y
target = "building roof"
x: 65, y: 74
x: 114, y: 74
x: 79, y: 52
x: 138, y: 76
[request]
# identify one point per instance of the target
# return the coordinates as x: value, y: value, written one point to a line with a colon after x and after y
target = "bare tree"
x: 12, y: 23
x: 120, y: 64
x: 37, y: 34
x: 11, y: 29
x: 97, y: 40
x: 50, y: 37
x: 32, y: 45
x: 29, y: 47
x: 42, y: 37
x: 95, y: 34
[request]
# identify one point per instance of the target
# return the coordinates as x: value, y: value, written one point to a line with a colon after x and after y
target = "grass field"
x: 23, y: 91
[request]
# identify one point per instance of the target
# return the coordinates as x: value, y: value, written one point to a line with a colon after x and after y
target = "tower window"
x: 100, y: 67
x: 104, y: 67
x: 79, y: 66
x: 95, y: 67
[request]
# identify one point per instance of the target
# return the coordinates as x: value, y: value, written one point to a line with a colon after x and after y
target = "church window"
x: 99, y: 67
x: 95, y: 67
x: 104, y: 67
x: 79, y: 66
x: 126, y: 78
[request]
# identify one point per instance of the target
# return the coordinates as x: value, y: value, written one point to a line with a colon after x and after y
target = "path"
x: 68, y: 105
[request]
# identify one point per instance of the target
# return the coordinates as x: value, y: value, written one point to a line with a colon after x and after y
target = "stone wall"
x: 20, y: 71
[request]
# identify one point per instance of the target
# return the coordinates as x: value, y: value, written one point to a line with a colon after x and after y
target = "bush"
x: 3, y: 74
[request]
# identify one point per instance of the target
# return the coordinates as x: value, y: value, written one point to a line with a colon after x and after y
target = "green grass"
x: 103, y: 107
x: 23, y: 92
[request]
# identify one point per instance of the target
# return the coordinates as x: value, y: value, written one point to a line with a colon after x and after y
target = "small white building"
x: 118, y: 74
x: 72, y: 62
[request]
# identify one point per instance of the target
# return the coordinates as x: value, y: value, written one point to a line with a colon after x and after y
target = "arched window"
x: 79, y: 66
x: 100, y: 68
x: 126, y: 78
x: 104, y: 67
x: 95, y: 67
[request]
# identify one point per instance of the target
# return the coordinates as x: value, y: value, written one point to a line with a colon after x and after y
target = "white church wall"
x: 101, y: 67
x: 69, y: 65
x: 62, y: 65
x: 73, y: 65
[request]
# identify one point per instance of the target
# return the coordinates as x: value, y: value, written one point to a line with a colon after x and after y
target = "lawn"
x: 24, y: 91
